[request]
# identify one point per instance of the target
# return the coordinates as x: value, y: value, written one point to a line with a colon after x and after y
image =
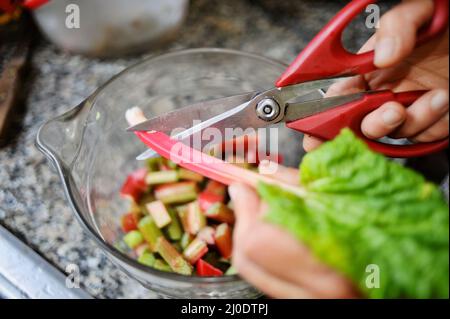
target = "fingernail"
x: 233, y: 191
x: 391, y: 117
x: 439, y: 102
x: 384, y: 49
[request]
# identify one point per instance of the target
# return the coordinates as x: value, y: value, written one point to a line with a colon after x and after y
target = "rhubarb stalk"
x: 150, y: 231
x: 221, y: 213
x: 159, y: 213
x: 195, y: 218
x: 223, y: 240
x: 175, y: 260
x: 181, y: 192
x: 195, y: 250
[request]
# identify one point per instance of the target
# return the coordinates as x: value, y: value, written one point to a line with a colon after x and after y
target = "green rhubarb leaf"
x: 362, y: 209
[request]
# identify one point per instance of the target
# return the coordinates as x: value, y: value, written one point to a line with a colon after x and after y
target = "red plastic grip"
x: 326, y: 57
x: 328, y: 124
x: 34, y: 4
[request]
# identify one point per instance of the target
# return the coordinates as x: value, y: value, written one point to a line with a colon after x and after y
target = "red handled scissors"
x: 295, y: 99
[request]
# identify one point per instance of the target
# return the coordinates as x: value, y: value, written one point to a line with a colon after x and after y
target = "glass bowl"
x: 92, y: 151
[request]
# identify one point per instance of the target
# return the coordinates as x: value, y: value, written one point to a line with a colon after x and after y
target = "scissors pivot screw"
x: 268, y: 109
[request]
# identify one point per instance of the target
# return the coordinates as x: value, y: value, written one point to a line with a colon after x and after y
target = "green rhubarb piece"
x: 177, y: 246
x: 133, y: 238
x: 161, y: 177
x: 160, y: 264
x: 378, y: 223
x: 150, y: 231
x: 196, y: 220
x: 153, y: 164
x: 231, y: 271
x: 177, y: 193
x: 195, y: 250
x: 121, y: 246
x: 147, y: 259
x: 174, y: 230
x: 159, y: 213
x: 171, y: 164
x: 170, y: 254
x: 186, y: 239
x: 189, y: 175
x: 220, y: 212
x: 146, y: 198
x: 182, y: 212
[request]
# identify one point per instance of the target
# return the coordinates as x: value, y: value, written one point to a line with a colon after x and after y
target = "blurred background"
x: 47, y: 68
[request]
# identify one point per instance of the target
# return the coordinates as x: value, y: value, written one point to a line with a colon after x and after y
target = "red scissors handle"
x: 328, y: 124
x: 325, y: 55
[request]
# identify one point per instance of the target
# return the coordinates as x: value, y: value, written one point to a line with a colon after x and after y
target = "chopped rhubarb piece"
x: 145, y: 199
x: 195, y: 250
x: 159, y: 213
x: 223, y: 240
x: 171, y: 164
x: 207, y: 270
x: 128, y: 222
x: 174, y: 230
x: 133, y: 238
x: 195, y: 218
x: 183, y: 215
x: 186, y: 240
x: 153, y: 164
x: 135, y: 185
x: 206, y: 200
x: 181, y: 192
x: 160, y: 264
x: 207, y: 235
x: 216, y: 188
x: 231, y: 271
x: 175, y: 260
x: 150, y: 231
x: 221, y: 213
x: 142, y: 248
x: 189, y: 175
x: 161, y: 177
x: 147, y: 259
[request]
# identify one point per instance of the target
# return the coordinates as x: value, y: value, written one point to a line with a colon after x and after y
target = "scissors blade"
x: 296, y: 110
x: 241, y: 116
x: 186, y: 116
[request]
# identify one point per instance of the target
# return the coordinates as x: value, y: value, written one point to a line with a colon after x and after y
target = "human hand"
x: 274, y: 261
x: 403, y: 68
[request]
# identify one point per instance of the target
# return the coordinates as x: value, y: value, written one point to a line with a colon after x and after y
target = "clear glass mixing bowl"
x: 93, y: 153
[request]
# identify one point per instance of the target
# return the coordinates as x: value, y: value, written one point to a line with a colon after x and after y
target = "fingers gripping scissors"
x: 294, y: 100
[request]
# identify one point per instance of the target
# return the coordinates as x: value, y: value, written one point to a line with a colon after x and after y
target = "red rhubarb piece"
x: 206, y: 200
x: 223, y: 240
x: 135, y: 185
x: 207, y: 234
x: 207, y: 270
x: 128, y: 222
x: 216, y: 188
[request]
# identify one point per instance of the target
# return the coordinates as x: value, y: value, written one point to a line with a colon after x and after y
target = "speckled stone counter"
x: 32, y: 203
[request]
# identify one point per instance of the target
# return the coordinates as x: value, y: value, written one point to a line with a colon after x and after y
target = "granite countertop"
x: 32, y: 203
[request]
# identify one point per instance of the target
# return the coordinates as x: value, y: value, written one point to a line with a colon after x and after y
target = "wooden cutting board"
x: 15, y: 41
